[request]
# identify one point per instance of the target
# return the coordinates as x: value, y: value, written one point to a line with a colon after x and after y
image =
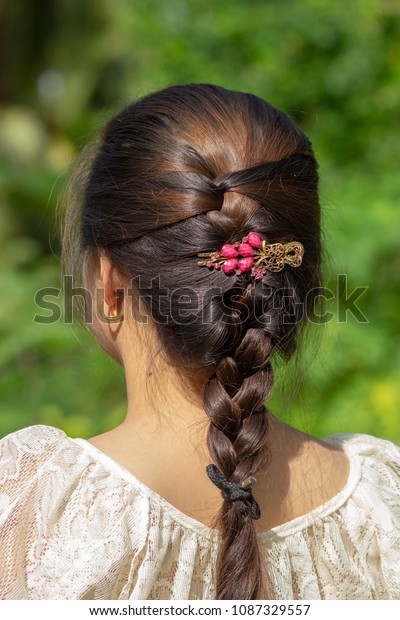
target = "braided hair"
x: 184, y: 171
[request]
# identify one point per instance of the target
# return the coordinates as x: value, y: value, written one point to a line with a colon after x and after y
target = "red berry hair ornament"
x: 253, y: 255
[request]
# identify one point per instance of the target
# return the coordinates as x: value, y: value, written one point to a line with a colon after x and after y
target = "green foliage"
x: 334, y: 67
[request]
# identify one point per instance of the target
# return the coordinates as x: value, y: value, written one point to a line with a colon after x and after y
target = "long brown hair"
x: 184, y: 171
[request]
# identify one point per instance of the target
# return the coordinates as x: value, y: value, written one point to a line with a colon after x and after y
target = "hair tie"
x: 235, y: 492
x: 255, y: 255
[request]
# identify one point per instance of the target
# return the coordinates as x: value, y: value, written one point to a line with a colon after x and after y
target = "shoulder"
x: 27, y: 453
x: 31, y: 434
x: 374, y: 482
x: 32, y: 440
x: 376, y: 460
x: 368, y: 447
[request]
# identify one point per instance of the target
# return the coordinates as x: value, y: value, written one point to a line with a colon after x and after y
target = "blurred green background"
x: 67, y: 65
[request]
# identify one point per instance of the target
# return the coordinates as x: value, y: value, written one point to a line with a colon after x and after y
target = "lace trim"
x: 280, y: 531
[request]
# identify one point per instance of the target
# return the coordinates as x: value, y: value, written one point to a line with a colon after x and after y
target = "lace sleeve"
x: 22, y: 455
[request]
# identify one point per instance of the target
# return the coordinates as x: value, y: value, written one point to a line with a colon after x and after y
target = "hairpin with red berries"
x: 253, y: 254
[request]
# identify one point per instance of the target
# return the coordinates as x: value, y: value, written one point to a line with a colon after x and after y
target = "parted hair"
x: 183, y: 171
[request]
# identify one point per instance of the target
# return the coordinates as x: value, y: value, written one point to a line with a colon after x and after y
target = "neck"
x: 159, y: 403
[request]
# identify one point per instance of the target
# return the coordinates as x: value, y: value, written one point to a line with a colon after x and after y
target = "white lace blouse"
x: 76, y: 525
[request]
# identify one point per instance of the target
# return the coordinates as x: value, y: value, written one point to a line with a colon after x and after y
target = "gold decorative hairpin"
x: 255, y: 255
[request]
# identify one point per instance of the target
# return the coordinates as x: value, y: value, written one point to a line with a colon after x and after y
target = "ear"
x: 109, y: 277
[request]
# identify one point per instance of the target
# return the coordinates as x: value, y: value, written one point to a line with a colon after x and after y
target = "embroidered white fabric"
x: 74, y: 524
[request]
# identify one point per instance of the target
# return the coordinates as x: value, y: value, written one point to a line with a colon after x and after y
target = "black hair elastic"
x: 235, y: 492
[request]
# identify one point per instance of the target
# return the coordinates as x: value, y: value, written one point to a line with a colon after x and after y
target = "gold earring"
x: 115, y: 316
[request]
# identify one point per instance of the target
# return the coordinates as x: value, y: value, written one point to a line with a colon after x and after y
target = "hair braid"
x: 234, y: 398
x: 234, y: 402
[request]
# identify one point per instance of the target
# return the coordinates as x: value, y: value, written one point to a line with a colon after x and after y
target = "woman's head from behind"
x: 183, y: 172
